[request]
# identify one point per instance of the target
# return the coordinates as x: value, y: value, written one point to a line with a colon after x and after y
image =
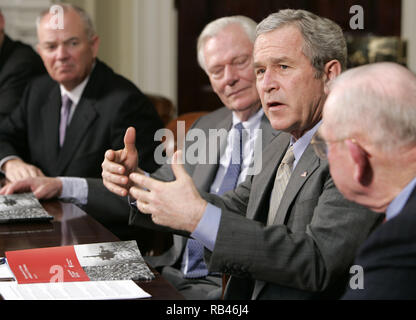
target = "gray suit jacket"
x: 203, y: 175
x: 306, y: 253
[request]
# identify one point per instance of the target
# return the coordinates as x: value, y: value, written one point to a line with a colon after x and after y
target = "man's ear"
x: 362, y: 169
x: 95, y: 44
x: 332, y: 70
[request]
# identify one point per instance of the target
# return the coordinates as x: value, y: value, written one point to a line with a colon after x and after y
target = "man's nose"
x: 269, y: 82
x: 230, y: 75
x: 62, y: 52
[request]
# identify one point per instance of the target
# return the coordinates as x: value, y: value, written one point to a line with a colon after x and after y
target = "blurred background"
x: 153, y: 42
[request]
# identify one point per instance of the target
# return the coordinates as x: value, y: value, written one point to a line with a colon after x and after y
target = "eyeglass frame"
x: 321, y: 146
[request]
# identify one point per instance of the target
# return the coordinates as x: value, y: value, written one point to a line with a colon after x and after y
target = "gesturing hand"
x: 118, y: 165
x: 175, y: 204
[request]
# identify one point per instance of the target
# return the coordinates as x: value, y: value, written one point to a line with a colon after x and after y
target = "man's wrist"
x: 74, y: 189
x: 5, y: 160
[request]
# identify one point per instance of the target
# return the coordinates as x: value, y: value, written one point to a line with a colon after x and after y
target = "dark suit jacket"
x: 307, y: 251
x: 388, y: 258
x: 19, y: 63
x: 109, y: 104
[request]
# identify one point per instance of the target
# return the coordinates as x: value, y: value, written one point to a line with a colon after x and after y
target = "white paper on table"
x: 5, y: 272
x: 81, y: 290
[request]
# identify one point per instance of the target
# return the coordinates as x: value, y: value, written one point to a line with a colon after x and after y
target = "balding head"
x: 377, y: 102
x: 369, y: 128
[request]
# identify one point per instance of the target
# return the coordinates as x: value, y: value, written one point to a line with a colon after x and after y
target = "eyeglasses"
x: 320, y: 145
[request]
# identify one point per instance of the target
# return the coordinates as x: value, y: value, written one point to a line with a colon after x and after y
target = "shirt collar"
x: 252, y: 123
x: 302, y: 143
x: 76, y: 93
x: 400, y: 201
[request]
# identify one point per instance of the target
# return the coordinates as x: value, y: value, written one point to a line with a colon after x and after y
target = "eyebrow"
x: 274, y: 61
x: 65, y: 41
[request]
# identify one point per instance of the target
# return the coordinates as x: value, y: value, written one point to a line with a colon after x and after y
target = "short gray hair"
x: 88, y: 25
x: 376, y: 102
x: 324, y: 39
x: 214, y: 27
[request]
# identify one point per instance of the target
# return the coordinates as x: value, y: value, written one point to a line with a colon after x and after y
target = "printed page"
x: 85, y: 290
x: 22, y: 207
x: 120, y: 260
x: 55, y: 264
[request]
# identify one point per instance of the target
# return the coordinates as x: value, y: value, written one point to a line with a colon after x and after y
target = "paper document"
x: 120, y: 260
x: 85, y: 290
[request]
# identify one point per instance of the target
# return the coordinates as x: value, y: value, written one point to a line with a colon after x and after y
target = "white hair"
x: 214, y: 27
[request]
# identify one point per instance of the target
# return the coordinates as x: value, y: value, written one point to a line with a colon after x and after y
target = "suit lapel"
x: 272, y: 156
x: 307, y: 164
x: 84, y: 116
x: 51, y: 115
x: 268, y: 132
x: 204, y: 174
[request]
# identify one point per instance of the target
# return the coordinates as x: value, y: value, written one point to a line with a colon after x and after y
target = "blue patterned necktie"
x: 194, y: 250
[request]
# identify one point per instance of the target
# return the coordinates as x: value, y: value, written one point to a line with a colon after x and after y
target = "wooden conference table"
x: 72, y: 226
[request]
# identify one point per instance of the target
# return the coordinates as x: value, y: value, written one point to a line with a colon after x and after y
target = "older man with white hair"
x: 369, y: 137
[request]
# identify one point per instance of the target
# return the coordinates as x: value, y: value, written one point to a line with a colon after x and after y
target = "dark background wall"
x: 381, y: 17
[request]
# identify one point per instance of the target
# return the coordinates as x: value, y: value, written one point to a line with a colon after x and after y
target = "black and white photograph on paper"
x: 113, y: 261
x: 23, y: 207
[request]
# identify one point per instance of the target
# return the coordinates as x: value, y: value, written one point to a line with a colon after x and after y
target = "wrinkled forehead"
x: 284, y: 40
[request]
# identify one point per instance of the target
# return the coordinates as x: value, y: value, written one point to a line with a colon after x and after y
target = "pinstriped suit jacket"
x: 308, y: 249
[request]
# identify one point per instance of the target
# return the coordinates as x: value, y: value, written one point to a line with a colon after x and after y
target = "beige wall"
x: 113, y: 21
x: 409, y: 31
x: 138, y: 40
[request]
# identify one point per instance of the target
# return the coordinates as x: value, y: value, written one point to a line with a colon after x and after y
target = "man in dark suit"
x: 377, y: 168
x: 19, y: 63
x: 287, y: 232
x: 67, y: 119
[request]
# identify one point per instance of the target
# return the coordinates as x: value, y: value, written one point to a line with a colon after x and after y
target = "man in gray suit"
x: 286, y: 233
x: 225, y: 52
x: 376, y: 168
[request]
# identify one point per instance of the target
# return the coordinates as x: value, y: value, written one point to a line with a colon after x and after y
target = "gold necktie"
x: 282, y: 178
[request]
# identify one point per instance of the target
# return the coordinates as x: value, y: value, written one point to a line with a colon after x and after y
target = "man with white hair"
x: 369, y: 137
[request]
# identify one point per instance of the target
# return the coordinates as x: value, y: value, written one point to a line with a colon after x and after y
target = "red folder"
x: 57, y: 264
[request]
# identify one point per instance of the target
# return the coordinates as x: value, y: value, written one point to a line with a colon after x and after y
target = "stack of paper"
x: 91, y: 271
